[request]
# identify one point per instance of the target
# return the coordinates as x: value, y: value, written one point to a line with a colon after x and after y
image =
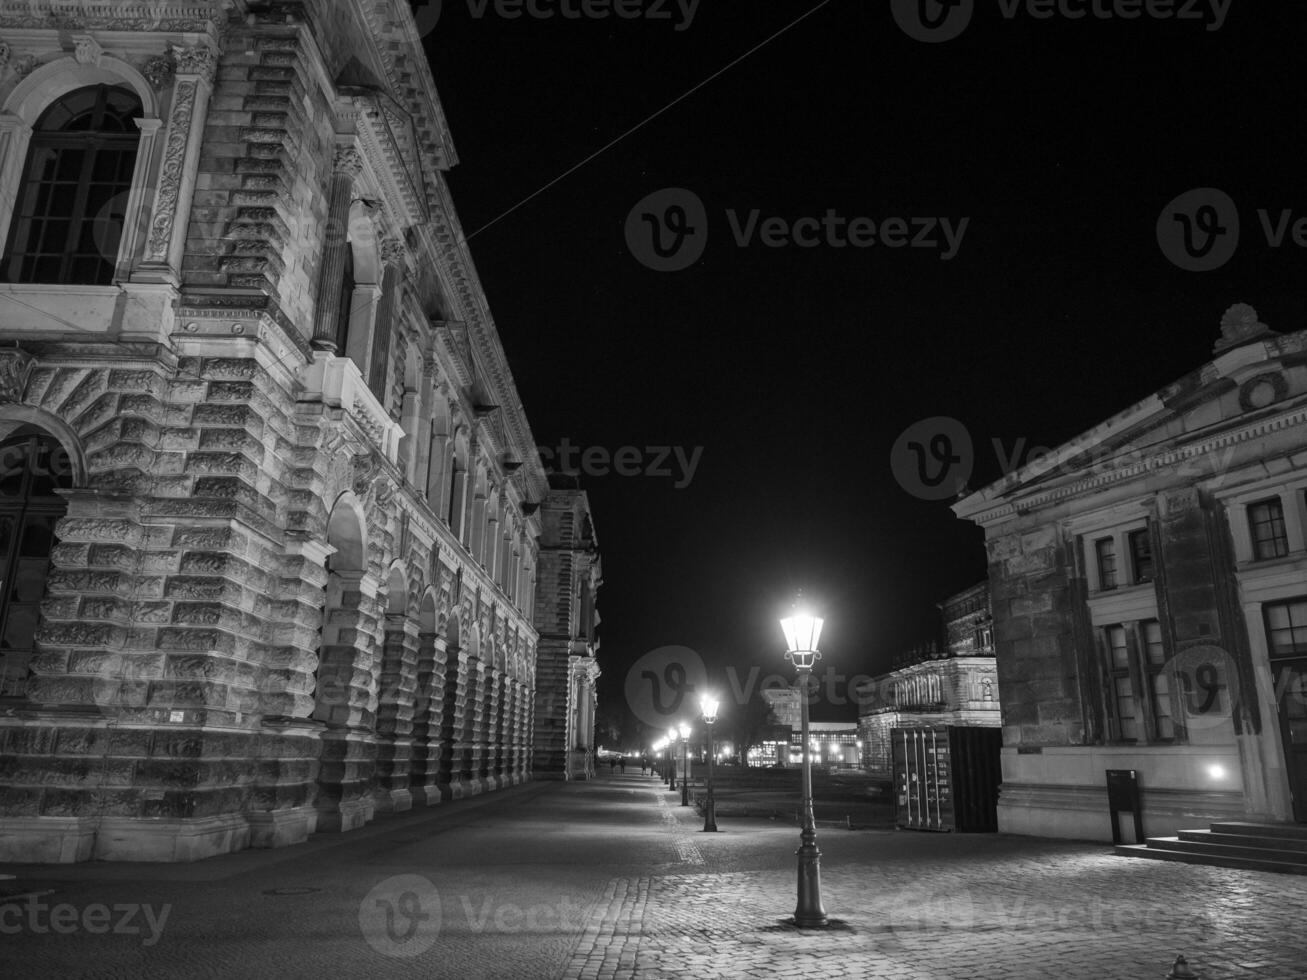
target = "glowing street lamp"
x: 708, y: 705
x: 671, y: 755
x: 684, y: 731
x: 802, y: 631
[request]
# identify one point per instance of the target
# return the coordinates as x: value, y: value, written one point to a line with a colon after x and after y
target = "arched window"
x: 32, y: 466
x: 70, y: 208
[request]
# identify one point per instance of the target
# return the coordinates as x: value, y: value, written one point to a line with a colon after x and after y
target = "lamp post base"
x: 710, y: 815
x: 809, y: 913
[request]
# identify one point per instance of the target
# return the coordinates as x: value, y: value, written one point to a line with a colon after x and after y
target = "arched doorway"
x: 33, y: 466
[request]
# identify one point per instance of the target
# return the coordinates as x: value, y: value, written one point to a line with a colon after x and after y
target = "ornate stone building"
x: 269, y: 503
x: 1149, y: 590
x: 956, y: 684
x: 570, y: 574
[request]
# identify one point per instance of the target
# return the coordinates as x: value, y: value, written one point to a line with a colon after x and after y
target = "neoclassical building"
x: 1149, y: 592
x: 270, y: 507
x: 951, y: 684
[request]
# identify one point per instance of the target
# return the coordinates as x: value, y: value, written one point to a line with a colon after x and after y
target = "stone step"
x: 1264, y: 848
x: 1159, y: 851
x: 1286, y: 845
x: 1293, y: 831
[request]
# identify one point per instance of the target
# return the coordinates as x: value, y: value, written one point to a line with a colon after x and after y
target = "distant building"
x: 833, y: 743
x: 1149, y: 588
x: 956, y: 684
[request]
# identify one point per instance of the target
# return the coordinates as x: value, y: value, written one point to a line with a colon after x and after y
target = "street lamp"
x: 657, y: 751
x: 708, y: 705
x: 671, y: 755
x: 801, y: 634
x: 685, y: 764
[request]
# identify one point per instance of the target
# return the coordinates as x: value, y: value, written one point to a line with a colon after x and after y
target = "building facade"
x: 953, y: 684
x: 1149, y: 591
x: 566, y: 666
x: 270, y: 507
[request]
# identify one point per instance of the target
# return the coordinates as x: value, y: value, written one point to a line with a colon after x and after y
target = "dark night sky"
x: 796, y: 369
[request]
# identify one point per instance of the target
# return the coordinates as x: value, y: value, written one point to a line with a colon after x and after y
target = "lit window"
x: 1125, y: 720
x: 69, y: 211
x: 1106, y: 551
x: 1286, y: 627
x: 1266, y: 524
x: 1141, y: 555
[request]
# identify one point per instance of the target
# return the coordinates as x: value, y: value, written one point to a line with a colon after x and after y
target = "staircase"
x: 1277, y: 847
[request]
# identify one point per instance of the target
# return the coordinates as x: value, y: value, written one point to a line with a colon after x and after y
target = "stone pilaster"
x: 490, y: 763
x: 398, y: 689
x: 427, y: 719
x: 165, y: 238
x: 473, y: 729
x: 345, y: 699
x: 453, y: 784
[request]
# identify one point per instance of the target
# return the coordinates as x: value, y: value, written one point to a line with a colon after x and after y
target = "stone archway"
x: 343, y: 694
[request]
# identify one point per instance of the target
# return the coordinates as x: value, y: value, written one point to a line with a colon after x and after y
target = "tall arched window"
x: 32, y: 466
x: 69, y: 212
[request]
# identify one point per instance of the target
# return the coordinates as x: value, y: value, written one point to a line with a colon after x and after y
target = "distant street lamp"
x: 657, y: 753
x: 685, y: 764
x: 671, y: 755
x: 801, y: 635
x: 708, y: 705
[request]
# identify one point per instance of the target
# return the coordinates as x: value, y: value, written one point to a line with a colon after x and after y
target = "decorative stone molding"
x: 1239, y: 325
x: 25, y: 65
x: 87, y: 50
x: 349, y: 161
x: 158, y: 70
x: 5, y: 54
x: 16, y: 368
x: 393, y: 252
x: 199, y: 61
x: 171, y: 170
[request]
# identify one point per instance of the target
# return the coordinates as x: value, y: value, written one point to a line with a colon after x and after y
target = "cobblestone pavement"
x: 613, y: 879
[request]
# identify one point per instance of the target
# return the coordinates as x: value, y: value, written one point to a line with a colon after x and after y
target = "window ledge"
x: 1292, y: 558
x: 61, y: 289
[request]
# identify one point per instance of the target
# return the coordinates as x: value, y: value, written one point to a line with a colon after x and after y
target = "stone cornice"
x: 1106, y: 475
x: 169, y: 16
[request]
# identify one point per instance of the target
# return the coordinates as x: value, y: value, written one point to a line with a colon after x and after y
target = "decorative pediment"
x: 451, y: 337
x: 15, y: 371
x: 386, y: 138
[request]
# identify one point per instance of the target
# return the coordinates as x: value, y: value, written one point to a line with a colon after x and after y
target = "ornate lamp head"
x: 802, y: 632
x: 684, y: 731
x: 708, y: 705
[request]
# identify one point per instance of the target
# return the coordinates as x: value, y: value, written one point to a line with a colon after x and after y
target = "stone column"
x: 453, y: 719
x: 490, y: 731
x: 344, y: 702
x: 427, y: 719
x: 335, y: 248
x: 474, y: 715
x: 504, y: 731
x: 15, y: 135
x: 396, y: 695
x: 181, y: 150
x: 392, y: 256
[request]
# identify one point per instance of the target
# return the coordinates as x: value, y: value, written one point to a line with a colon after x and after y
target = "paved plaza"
x: 613, y: 878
